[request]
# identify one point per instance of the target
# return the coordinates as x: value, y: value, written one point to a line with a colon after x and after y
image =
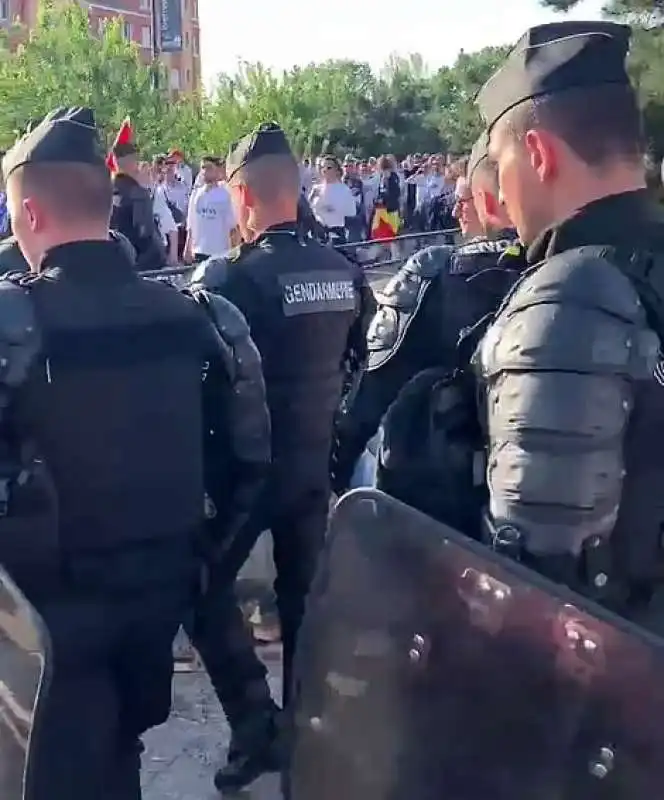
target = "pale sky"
x: 283, y: 33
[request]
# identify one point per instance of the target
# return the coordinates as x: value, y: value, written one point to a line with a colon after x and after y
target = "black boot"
x: 255, y: 749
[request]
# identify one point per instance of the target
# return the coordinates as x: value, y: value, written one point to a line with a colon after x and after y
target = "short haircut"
x: 69, y: 190
x: 270, y: 177
x: 212, y: 160
x: 487, y: 172
x: 598, y: 123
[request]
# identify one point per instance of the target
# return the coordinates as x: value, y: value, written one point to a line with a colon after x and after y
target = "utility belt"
x: 591, y: 573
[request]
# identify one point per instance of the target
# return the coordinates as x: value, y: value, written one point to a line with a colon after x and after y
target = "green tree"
x: 63, y: 63
x: 338, y: 105
x: 646, y: 57
x: 455, y: 90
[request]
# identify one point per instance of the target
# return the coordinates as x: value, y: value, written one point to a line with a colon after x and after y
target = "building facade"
x: 183, y: 68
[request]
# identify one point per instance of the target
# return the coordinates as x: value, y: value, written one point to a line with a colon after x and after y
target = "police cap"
x: 479, y: 152
x: 266, y: 140
x: 549, y: 59
x: 65, y: 136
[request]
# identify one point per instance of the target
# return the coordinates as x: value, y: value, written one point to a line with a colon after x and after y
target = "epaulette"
x: 513, y: 257
x: 236, y: 253
x: 20, y: 278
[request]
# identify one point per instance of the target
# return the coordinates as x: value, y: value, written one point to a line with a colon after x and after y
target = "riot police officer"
x: 574, y: 409
x: 307, y: 307
x: 133, y: 212
x: 423, y: 309
x: 108, y: 382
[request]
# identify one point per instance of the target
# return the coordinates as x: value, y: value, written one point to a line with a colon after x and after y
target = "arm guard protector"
x: 247, y: 415
x: 561, y: 363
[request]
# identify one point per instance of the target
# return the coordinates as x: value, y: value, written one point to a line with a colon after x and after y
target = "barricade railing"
x: 371, y: 254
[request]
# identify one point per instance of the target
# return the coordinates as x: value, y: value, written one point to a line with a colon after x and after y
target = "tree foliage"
x: 337, y: 105
x: 340, y: 105
x: 646, y: 58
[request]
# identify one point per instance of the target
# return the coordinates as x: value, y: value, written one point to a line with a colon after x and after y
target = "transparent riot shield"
x: 23, y: 679
x: 431, y: 669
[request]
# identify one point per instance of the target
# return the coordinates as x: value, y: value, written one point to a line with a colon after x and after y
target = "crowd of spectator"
x: 351, y: 198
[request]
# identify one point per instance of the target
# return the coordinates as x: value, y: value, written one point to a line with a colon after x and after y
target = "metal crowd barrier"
x: 373, y: 254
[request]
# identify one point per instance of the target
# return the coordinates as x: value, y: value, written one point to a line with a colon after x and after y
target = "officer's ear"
x: 247, y: 195
x: 491, y: 203
x: 542, y: 153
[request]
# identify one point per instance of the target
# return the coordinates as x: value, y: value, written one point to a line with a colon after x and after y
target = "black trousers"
x: 294, y: 508
x: 112, y: 677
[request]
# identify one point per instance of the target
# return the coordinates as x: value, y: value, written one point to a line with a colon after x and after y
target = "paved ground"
x: 181, y: 756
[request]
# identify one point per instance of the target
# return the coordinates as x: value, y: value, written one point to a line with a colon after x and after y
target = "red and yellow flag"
x: 385, y: 224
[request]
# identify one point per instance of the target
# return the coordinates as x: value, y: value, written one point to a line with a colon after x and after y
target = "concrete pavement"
x: 181, y: 756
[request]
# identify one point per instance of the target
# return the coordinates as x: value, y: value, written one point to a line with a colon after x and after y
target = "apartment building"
x: 183, y: 67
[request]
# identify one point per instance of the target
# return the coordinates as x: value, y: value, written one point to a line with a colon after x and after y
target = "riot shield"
x: 430, y: 668
x: 23, y: 679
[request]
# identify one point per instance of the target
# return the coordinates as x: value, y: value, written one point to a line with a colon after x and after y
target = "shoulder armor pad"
x: 210, y: 274
x: 127, y: 247
x: 227, y: 318
x: 576, y: 313
x: 20, y: 340
x: 403, y: 290
x: 400, y: 301
x: 584, y: 276
x: 237, y: 252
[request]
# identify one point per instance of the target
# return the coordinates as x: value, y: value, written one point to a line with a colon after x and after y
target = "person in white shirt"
x: 177, y: 195
x: 421, y: 181
x: 210, y: 219
x: 166, y: 224
x: 162, y: 213
x: 306, y: 176
x: 182, y: 169
x: 332, y: 201
x: 371, y: 180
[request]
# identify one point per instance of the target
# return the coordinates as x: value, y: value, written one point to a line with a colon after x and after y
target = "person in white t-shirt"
x: 162, y: 213
x: 182, y: 169
x: 177, y: 195
x: 210, y: 219
x: 332, y: 201
x: 166, y: 223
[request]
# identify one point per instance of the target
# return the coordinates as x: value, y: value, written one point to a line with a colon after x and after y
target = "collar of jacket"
x: 614, y: 221
x: 89, y: 260
x: 280, y: 227
x: 123, y: 176
x: 507, y: 234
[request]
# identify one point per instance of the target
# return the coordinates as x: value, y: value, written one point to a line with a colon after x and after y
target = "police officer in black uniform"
x: 306, y: 305
x: 133, y: 211
x: 108, y: 383
x: 422, y: 310
x: 574, y: 398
